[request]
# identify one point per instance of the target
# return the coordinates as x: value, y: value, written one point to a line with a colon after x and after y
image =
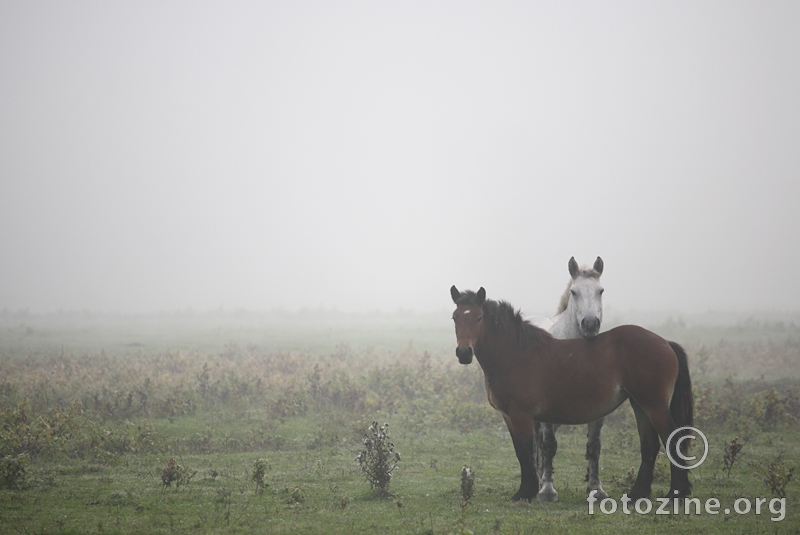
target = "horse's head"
x: 468, y: 318
x: 586, y: 297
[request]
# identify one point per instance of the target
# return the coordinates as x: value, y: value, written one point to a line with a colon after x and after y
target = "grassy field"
x: 247, y: 423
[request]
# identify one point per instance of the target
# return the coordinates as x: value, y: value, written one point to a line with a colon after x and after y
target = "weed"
x: 778, y: 476
x: 295, y: 496
x: 319, y: 468
x: 290, y: 403
x: 709, y: 410
x: 378, y: 460
x: 176, y: 473
x: 13, y: 471
x: 732, y: 450
x: 467, y: 485
x: 625, y: 482
x: 766, y: 409
x: 259, y: 472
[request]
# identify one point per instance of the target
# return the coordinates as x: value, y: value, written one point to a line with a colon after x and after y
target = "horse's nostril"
x: 590, y: 324
x: 464, y: 354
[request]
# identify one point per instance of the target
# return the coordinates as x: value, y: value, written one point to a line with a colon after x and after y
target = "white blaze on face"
x: 467, y: 311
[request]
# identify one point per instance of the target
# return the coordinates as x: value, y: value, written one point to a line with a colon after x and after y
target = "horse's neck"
x: 492, y: 353
x: 496, y: 351
x: 566, y: 325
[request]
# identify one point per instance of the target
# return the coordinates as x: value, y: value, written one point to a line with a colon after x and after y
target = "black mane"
x: 505, y: 318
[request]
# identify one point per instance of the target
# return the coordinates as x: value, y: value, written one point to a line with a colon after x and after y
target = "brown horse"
x: 531, y: 376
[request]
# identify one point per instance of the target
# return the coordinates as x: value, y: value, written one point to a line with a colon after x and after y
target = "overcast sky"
x: 367, y: 155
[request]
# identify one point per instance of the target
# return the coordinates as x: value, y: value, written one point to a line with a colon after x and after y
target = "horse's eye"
x: 574, y: 292
x: 602, y: 290
x: 479, y: 319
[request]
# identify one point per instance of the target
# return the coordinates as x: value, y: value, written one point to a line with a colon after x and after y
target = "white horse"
x: 580, y: 313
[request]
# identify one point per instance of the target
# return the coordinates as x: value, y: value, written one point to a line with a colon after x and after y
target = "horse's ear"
x: 573, y: 267
x: 480, y: 297
x: 598, y: 265
x: 454, y: 293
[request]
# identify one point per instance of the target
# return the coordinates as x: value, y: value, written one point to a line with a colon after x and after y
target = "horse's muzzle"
x: 590, y: 326
x: 464, y: 354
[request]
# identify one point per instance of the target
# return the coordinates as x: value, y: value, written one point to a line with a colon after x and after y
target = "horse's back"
x: 647, y: 360
x: 634, y: 332
x: 637, y: 344
x: 617, y: 346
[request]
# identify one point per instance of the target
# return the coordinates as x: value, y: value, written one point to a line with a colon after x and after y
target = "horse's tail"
x: 682, y: 405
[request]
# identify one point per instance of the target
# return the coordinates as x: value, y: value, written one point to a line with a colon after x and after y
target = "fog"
x: 366, y: 156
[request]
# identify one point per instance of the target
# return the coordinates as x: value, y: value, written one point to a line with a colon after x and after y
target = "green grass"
x: 217, y: 407
x: 126, y: 496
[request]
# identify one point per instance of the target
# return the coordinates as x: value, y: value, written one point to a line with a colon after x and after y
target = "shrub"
x: 290, y: 403
x: 174, y: 472
x: 709, y: 410
x: 766, y: 409
x: 778, y: 476
x: 13, y: 471
x: 296, y: 496
x: 259, y: 471
x: 378, y: 460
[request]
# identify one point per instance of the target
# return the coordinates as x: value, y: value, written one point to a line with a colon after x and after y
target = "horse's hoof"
x: 600, y: 494
x: 547, y: 493
x: 547, y: 496
x: 520, y: 498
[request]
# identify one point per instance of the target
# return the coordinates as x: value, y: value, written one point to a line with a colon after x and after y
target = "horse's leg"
x: 549, y: 446
x: 679, y: 485
x: 664, y: 424
x: 538, y: 446
x: 649, y: 446
x: 509, y: 427
x: 593, y: 459
x: 522, y: 435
